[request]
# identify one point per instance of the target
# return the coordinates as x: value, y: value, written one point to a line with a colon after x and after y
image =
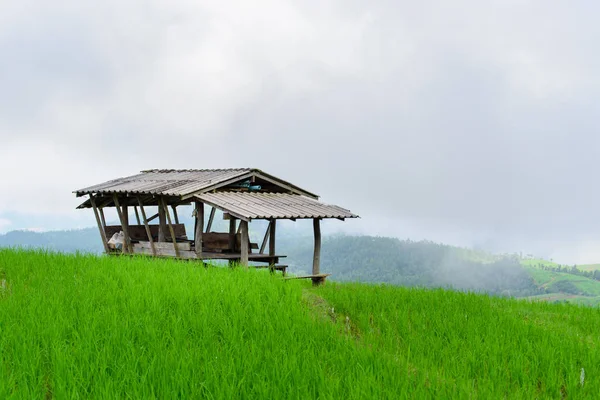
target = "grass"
x: 566, y: 297
x: 550, y: 279
x: 589, y: 267
x: 98, y: 327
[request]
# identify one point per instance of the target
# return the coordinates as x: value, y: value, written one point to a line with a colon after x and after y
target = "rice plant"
x: 82, y: 326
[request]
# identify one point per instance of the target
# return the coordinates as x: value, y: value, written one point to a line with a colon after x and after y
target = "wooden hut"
x: 242, y: 195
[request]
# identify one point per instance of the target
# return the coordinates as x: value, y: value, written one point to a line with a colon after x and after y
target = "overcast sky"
x: 468, y: 122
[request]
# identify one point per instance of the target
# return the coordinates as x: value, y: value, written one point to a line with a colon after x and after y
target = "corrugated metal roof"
x: 170, y: 182
x: 249, y: 205
x: 184, y: 182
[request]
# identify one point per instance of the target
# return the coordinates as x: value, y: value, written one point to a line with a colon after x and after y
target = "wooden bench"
x: 219, y: 242
x: 317, y: 279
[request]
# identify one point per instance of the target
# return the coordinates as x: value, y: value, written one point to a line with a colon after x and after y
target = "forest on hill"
x: 414, y: 263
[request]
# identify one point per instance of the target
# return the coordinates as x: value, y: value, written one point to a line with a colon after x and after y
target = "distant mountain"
x: 69, y: 241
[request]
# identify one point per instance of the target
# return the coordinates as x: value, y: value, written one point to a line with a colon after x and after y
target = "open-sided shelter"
x: 242, y: 195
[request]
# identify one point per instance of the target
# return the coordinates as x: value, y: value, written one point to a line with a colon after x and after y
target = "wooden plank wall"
x: 138, y: 232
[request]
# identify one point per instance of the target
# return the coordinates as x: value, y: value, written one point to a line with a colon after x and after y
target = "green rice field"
x: 89, y: 327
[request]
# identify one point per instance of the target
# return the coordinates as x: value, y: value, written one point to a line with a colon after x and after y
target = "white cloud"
x: 465, y: 121
x: 4, y: 224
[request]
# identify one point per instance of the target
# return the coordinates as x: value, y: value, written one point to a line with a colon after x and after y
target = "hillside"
x: 409, y: 263
x: 563, y: 286
x: 589, y: 267
x: 100, y: 327
x: 356, y: 258
x: 371, y: 259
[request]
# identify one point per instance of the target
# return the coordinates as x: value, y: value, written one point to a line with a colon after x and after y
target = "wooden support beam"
x: 124, y: 226
x: 244, y: 245
x: 272, y: 229
x: 153, y: 217
x: 232, y: 227
x: 171, y: 230
x: 317, y: 253
x: 125, y: 211
x: 211, y: 218
x: 199, y: 228
x: 100, y: 225
x: 174, y: 207
x: 264, y: 242
x: 228, y: 214
x: 150, y: 239
x: 137, y: 215
x: 101, y: 211
x: 162, y: 223
x: 231, y: 245
x: 104, y: 202
x: 195, y: 215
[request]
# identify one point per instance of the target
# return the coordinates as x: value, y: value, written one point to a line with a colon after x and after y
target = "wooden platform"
x: 236, y: 257
x: 165, y: 249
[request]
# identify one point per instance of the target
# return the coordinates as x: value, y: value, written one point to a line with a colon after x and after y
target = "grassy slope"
x: 536, y: 262
x: 589, y: 267
x: 81, y: 326
x: 589, y: 288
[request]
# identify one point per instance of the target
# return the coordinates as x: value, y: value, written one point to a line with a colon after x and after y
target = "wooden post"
x: 162, y: 223
x: 171, y: 230
x: 199, y: 228
x: 174, y: 207
x: 272, y: 229
x: 124, y: 225
x: 101, y: 211
x: 210, y: 219
x: 150, y: 239
x: 232, y: 244
x: 125, y: 211
x: 137, y: 215
x: 100, y: 225
x: 244, y: 245
x: 264, y: 242
x: 195, y: 215
x: 317, y: 254
x: 231, y: 237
